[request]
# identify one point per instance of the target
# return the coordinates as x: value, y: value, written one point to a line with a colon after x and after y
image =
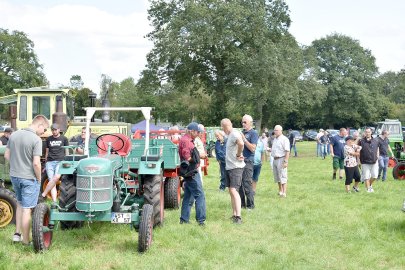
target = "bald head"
x: 226, y: 125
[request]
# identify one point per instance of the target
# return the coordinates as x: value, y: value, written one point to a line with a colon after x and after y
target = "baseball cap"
x: 54, y: 126
x: 349, y: 138
x: 194, y: 126
x: 8, y: 130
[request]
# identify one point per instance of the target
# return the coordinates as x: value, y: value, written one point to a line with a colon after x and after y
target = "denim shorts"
x: 26, y: 190
x: 52, y: 168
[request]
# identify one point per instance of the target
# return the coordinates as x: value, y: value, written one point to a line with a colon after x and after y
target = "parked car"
x: 332, y: 132
x: 297, y: 135
x: 309, y: 135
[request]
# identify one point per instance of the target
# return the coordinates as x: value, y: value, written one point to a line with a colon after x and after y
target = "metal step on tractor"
x: 117, y: 180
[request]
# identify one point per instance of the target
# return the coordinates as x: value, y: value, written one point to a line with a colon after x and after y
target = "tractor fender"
x: 150, y: 167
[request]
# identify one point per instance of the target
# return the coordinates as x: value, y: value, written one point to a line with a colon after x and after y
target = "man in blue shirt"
x: 337, y: 144
x: 250, y: 138
x: 220, y: 151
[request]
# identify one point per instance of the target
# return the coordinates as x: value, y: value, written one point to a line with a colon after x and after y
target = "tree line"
x: 215, y: 59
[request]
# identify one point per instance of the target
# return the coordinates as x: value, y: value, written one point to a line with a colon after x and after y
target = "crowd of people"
x: 240, y: 155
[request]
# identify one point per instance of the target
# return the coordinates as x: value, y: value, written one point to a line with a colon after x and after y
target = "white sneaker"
x: 370, y: 189
x: 17, y: 237
x: 280, y: 193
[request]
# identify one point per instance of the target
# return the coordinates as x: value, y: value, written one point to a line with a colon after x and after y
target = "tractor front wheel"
x: 8, y: 207
x: 67, y: 201
x: 41, y: 235
x: 145, y: 228
x: 154, y: 195
x: 399, y: 171
x: 172, y: 193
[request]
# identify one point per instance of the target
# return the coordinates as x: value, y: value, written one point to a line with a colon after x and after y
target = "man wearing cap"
x: 192, y: 183
x: 337, y: 144
x: 6, y: 135
x: 54, y: 153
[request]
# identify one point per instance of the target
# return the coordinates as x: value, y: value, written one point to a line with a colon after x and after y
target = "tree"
x: 348, y: 72
x: 19, y: 65
x: 231, y: 50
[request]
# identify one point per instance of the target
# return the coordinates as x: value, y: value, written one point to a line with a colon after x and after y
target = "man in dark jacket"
x: 369, y: 159
x: 220, y: 151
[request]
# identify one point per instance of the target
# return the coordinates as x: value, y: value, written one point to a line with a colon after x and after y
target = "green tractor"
x: 8, y: 200
x: 117, y: 179
x: 393, y: 126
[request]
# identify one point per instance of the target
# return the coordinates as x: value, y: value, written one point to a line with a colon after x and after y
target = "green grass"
x: 318, y: 226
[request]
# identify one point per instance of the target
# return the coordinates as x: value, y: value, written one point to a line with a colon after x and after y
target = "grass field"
x: 318, y: 226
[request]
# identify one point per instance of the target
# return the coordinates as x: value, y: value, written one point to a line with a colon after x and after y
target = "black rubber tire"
x: 172, y: 193
x: 145, y: 228
x: 8, y: 207
x: 40, y: 218
x: 154, y: 195
x: 67, y: 196
x: 398, y: 171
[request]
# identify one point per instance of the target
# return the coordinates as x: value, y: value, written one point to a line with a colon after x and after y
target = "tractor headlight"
x: 151, y: 165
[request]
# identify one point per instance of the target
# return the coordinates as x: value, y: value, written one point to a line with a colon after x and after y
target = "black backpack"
x: 189, y: 169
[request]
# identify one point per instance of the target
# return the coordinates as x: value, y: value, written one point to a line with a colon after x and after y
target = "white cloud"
x: 83, y: 40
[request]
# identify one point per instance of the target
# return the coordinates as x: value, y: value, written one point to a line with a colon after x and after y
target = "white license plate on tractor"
x: 121, y: 218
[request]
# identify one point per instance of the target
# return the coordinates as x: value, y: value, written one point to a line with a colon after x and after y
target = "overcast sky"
x: 94, y: 37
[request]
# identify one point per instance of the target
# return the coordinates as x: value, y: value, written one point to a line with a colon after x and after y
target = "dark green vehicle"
x: 394, y: 127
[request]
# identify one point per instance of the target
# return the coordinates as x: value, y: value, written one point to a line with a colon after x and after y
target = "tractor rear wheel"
x: 154, y: 195
x: 399, y: 171
x: 172, y: 193
x: 67, y: 200
x: 8, y: 207
x: 145, y: 228
x: 40, y: 221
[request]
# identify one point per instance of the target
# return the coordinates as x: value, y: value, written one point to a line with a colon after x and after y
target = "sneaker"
x: 370, y: 189
x: 17, y: 238
x: 283, y: 195
x: 202, y: 224
x: 237, y: 220
x: 356, y: 189
x: 280, y: 193
x: 183, y: 221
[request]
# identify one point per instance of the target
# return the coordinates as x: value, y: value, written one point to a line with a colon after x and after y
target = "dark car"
x: 297, y: 135
x: 332, y: 132
x: 310, y: 135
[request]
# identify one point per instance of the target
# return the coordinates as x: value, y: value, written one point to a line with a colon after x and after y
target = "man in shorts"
x: 281, y: 153
x: 234, y: 165
x: 337, y: 144
x: 24, y: 150
x: 369, y: 159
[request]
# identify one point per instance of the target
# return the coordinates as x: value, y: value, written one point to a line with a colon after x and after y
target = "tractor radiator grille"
x: 93, y: 189
x: 94, y: 182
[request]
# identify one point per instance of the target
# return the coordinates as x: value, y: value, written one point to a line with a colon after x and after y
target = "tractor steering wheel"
x: 103, y: 140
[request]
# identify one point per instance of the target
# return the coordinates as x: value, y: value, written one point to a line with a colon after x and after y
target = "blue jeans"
x: 382, y: 166
x: 318, y: 149
x: 324, y: 150
x: 223, y: 175
x: 26, y: 191
x: 193, y: 189
x: 293, y: 146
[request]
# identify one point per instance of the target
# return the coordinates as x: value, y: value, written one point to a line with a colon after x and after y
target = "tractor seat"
x: 116, y: 144
x: 75, y: 157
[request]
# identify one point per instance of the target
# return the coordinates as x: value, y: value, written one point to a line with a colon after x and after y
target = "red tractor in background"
x: 171, y: 175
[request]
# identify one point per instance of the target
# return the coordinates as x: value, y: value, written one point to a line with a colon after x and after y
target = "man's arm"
x: 36, y: 161
x: 240, y: 144
x: 46, y: 153
x: 7, y: 154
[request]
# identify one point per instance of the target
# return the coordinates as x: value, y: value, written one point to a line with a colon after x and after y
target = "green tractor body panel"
x: 4, y: 166
x: 394, y: 127
x: 94, y: 182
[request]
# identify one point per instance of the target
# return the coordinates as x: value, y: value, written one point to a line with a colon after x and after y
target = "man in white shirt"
x: 280, y: 151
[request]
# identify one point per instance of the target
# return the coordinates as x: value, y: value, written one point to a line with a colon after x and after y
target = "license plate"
x: 120, y: 217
